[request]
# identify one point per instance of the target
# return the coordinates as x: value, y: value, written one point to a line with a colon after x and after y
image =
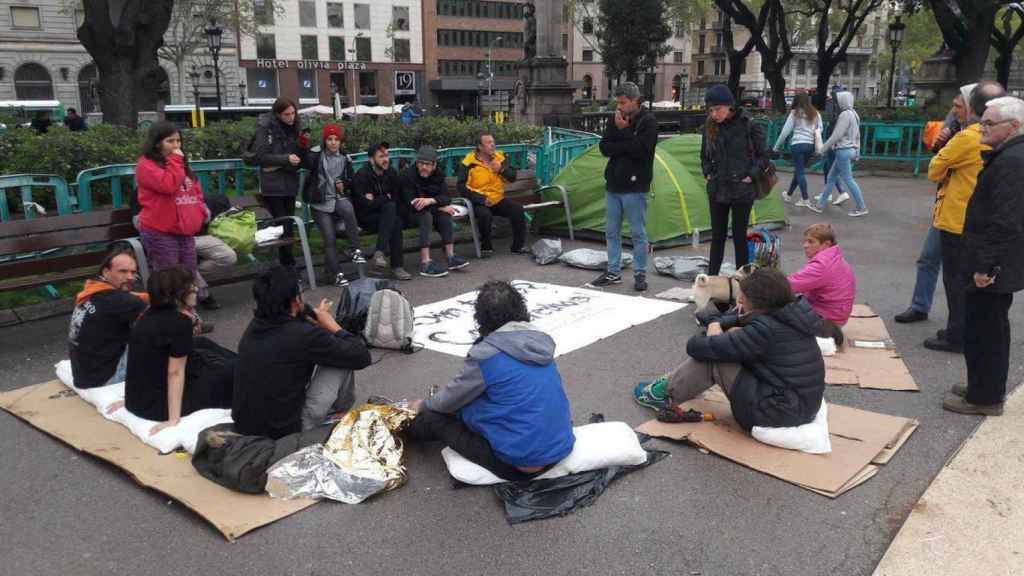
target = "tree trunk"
x: 825, y: 69
x: 1003, y: 64
x: 180, y: 69
x: 777, y: 81
x: 123, y: 36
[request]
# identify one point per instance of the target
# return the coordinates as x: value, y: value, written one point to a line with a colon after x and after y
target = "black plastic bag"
x: 354, y: 302
x: 539, y: 499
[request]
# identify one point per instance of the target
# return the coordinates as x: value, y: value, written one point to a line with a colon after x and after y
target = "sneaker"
x: 400, y: 274
x: 523, y: 250
x: 815, y: 208
x: 959, y: 390
x: 856, y: 213
x: 959, y: 405
x: 354, y: 255
x: 456, y: 262
x: 840, y: 199
x: 787, y: 197
x: 379, y: 260
x: 432, y: 270
x: 486, y: 252
x: 802, y: 203
x: 340, y: 280
x: 606, y: 279
x: 640, y: 282
x: 209, y: 303
x: 645, y: 397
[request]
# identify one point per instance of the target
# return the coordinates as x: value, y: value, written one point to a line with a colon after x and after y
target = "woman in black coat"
x: 278, y: 149
x: 732, y: 153
x: 765, y: 358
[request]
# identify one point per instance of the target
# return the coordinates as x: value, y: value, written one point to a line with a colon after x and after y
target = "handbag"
x: 236, y: 228
x: 766, y: 178
x: 819, y: 145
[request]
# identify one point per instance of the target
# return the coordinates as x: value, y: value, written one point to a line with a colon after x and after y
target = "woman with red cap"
x: 328, y: 179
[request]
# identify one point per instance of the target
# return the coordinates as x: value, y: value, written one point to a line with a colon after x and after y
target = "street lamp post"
x: 895, y: 39
x: 490, y: 71
x: 214, y: 35
x: 241, y: 92
x: 355, y: 90
x: 194, y: 76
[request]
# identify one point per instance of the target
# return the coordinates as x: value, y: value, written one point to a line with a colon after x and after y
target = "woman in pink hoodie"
x: 171, y: 200
x: 826, y: 281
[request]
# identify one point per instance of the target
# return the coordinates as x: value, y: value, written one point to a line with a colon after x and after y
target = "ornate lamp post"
x: 241, y: 92
x: 194, y: 76
x: 214, y: 35
x: 895, y: 39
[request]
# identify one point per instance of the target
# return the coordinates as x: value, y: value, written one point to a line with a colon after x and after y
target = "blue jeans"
x: 842, y: 169
x: 801, y: 154
x: 929, y: 264
x: 121, y: 371
x: 634, y: 204
x: 830, y: 159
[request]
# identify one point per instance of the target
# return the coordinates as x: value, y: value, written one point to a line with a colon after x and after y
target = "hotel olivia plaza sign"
x: 309, y: 64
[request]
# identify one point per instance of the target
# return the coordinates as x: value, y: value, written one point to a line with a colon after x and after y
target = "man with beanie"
x: 427, y: 204
x: 628, y: 143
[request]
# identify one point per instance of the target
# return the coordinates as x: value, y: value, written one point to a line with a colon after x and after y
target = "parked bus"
x: 23, y: 111
x: 184, y: 114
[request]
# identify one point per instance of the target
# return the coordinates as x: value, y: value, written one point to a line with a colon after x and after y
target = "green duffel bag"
x: 237, y: 228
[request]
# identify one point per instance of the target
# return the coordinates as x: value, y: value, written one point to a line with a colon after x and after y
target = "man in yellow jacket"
x: 481, y: 179
x: 956, y: 169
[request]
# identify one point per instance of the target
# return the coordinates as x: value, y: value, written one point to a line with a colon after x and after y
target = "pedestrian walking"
x: 805, y: 126
x: 845, y: 140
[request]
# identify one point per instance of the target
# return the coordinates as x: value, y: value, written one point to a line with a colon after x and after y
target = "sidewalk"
x: 971, y: 518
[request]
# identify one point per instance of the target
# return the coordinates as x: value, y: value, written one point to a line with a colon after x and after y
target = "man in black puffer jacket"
x: 766, y: 359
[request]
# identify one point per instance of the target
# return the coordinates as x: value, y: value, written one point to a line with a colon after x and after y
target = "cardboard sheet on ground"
x: 574, y: 317
x: 861, y: 441
x: 56, y: 410
x: 868, y: 359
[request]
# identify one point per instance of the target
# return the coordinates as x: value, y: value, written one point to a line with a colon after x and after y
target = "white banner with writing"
x: 573, y: 317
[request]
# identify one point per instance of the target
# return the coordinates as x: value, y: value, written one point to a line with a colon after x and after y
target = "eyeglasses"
x: 989, y: 123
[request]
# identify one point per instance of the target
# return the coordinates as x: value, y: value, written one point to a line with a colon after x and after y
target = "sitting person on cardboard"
x: 295, y: 364
x: 506, y: 411
x: 764, y: 357
x: 170, y: 373
x: 827, y: 281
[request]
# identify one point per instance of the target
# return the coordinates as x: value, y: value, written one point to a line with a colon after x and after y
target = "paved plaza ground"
x: 63, y: 512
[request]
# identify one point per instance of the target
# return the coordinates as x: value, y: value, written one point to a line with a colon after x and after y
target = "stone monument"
x: 543, y: 92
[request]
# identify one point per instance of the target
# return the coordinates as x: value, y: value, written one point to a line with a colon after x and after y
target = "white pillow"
x: 811, y: 437
x: 597, y: 446
x: 827, y: 345
x: 100, y: 397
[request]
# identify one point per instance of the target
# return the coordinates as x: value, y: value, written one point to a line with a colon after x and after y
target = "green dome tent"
x: 680, y: 205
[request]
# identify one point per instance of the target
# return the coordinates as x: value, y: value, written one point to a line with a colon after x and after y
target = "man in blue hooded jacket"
x: 506, y: 411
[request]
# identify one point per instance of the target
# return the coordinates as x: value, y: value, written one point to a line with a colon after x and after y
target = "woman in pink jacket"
x: 171, y: 200
x: 826, y: 281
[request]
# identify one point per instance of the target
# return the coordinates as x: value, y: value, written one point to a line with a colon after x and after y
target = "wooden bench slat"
x: 33, y: 281
x: 62, y: 223
x: 42, y: 266
x: 66, y: 238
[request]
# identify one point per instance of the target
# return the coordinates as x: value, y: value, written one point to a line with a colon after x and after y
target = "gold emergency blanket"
x: 362, y: 457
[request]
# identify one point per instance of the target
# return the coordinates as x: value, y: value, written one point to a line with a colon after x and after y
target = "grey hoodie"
x: 520, y: 340
x: 846, y: 132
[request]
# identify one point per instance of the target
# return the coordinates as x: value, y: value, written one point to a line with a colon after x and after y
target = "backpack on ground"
x: 764, y: 248
x: 389, y: 321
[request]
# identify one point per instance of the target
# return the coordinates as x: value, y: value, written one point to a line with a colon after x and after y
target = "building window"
x: 718, y: 39
x: 483, y: 39
x: 588, y: 55
x: 700, y: 44
x: 309, y: 48
x: 25, y: 17
x: 401, y: 50
x: 565, y: 42
x: 263, y: 13
x: 336, y: 48
x: 261, y: 83
x: 718, y: 69
x: 367, y: 83
x: 677, y: 57
x: 307, y: 13
x: 307, y: 85
x: 588, y: 87
x: 364, y: 52
x: 700, y: 67
x: 588, y: 26
x: 814, y: 67
x: 32, y: 82
x: 680, y: 29
x: 335, y: 15
x: 88, y: 77
x: 266, y: 46
x: 362, y: 16
x: 400, y: 18
x: 472, y: 67
x: 858, y: 67
x: 801, y: 67
x: 485, y: 9
x: 703, y: 23
x: 339, y: 83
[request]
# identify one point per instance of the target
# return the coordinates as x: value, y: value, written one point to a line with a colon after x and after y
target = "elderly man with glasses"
x: 993, y: 235
x: 427, y: 204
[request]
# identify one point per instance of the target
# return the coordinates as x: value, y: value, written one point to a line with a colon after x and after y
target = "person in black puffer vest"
x: 732, y: 153
x: 765, y: 359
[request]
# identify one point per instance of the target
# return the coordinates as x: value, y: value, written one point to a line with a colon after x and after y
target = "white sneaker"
x: 840, y: 199
x: 802, y: 203
x: 786, y: 197
x: 856, y: 213
x: 814, y: 208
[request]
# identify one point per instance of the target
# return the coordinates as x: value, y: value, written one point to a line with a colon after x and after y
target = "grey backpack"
x: 389, y: 321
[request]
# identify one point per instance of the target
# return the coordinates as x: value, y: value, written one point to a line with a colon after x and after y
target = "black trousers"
x: 449, y: 430
x: 956, y: 277
x: 986, y: 345
x: 280, y: 206
x: 719, y: 230
x: 513, y: 211
x: 441, y: 221
x: 387, y: 224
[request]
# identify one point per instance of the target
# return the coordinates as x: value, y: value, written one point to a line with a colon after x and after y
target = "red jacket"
x: 171, y: 203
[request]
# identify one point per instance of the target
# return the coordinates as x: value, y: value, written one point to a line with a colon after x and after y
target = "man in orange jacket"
x: 481, y: 179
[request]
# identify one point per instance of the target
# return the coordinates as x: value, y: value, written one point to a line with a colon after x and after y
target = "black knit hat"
x: 719, y: 95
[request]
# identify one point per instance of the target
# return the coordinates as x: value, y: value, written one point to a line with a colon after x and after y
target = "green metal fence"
x: 887, y: 141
